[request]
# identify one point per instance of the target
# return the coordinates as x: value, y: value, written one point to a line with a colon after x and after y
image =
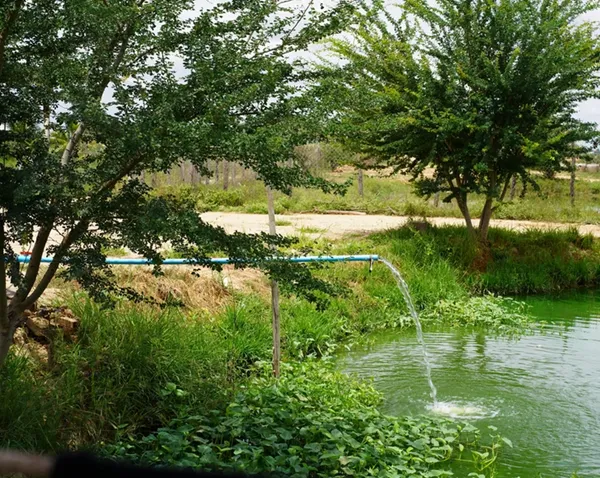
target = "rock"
x: 420, y: 226
x: 38, y: 351
x: 38, y: 326
x: 69, y: 325
x: 20, y: 337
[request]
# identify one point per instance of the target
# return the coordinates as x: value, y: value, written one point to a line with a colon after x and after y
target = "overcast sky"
x: 588, y: 111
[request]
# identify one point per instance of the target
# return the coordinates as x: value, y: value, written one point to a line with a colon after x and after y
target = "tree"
x: 479, y: 92
x: 90, y: 98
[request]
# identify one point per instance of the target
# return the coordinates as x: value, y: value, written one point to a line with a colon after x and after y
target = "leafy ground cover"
x: 312, y: 422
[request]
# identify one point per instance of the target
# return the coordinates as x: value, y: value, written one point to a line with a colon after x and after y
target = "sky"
x: 587, y: 111
x: 590, y: 110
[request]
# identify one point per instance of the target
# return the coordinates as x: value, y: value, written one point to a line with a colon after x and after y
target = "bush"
x: 312, y: 422
x: 498, y: 314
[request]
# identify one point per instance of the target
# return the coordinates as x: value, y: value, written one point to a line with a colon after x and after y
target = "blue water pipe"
x: 116, y: 261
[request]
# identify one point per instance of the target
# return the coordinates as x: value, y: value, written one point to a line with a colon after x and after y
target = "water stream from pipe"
x: 403, y: 286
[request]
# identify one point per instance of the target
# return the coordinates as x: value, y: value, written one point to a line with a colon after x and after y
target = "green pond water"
x: 542, y: 390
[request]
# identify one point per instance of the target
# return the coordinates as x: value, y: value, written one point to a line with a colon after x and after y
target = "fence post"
x: 274, y: 294
x: 361, y: 183
x: 572, y: 191
x: 225, y: 175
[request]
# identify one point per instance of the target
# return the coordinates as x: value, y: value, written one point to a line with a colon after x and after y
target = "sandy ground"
x: 335, y: 226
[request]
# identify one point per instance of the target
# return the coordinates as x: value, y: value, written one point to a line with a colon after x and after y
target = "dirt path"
x: 337, y: 225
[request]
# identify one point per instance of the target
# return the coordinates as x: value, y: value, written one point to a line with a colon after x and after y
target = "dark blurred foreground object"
x: 79, y: 465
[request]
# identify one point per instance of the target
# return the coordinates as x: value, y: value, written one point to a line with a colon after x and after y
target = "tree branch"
x: 505, y: 189
x: 11, y: 19
x: 33, y: 266
x: 68, y: 240
x: 72, y: 144
x: 114, y: 66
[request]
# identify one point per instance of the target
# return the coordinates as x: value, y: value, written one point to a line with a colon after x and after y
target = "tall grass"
x: 395, y: 196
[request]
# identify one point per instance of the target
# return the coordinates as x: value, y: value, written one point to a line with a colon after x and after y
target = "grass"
x: 283, y: 222
x: 137, y: 368
x: 311, y: 230
x: 114, y: 252
x: 394, y: 196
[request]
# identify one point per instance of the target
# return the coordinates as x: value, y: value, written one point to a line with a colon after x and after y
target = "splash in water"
x: 462, y: 410
x: 403, y: 286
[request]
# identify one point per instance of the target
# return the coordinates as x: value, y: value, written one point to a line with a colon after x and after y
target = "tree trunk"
x: 216, y: 172
x: 436, y: 199
x: 572, y: 189
x: 484, y: 221
x: 233, y: 173
x: 361, y: 183
x: 464, y: 209
x: 6, y: 338
x: 513, y: 187
x: 6, y: 327
x: 274, y: 294
x: 225, y: 175
x: 194, y: 176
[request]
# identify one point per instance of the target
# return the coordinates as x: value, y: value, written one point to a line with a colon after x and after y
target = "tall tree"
x: 101, y: 77
x: 477, y: 91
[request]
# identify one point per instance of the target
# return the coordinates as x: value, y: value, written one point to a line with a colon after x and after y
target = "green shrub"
x: 210, y: 199
x: 493, y: 313
x: 118, y: 375
x: 123, y: 374
x: 312, y: 422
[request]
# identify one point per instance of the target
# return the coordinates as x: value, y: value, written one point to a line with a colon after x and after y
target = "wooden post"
x: 225, y: 175
x: 361, y: 183
x: 513, y: 187
x: 194, y: 175
x: 274, y: 294
x: 572, y: 192
x: 183, y: 172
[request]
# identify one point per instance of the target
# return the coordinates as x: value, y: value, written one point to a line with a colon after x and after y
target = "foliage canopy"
x: 477, y: 91
x: 92, y: 94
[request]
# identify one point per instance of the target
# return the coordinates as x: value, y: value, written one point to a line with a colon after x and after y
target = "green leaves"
x: 93, y: 94
x: 499, y: 314
x: 312, y: 421
x: 480, y: 92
